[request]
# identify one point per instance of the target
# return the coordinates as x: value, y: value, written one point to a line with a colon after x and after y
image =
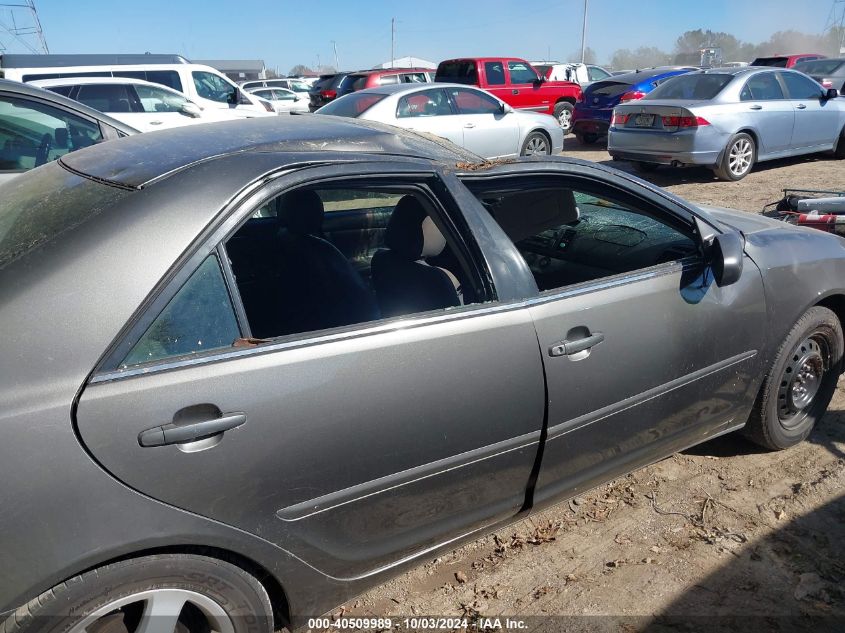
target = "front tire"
x: 164, y: 593
x: 738, y: 158
x: 800, y: 383
x: 563, y: 114
x: 839, y: 152
x: 587, y: 139
x: 536, y: 144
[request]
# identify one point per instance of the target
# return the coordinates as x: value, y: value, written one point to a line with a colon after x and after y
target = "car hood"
x: 745, y: 222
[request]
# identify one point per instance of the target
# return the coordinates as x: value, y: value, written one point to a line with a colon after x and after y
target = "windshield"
x: 778, y: 62
x: 352, y: 104
x: 695, y: 87
x: 821, y: 66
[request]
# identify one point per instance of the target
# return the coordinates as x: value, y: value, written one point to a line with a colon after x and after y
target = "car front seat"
x: 319, y: 287
x: 404, y: 282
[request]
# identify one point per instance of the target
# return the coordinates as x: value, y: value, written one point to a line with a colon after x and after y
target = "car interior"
x: 313, y: 259
x: 568, y: 237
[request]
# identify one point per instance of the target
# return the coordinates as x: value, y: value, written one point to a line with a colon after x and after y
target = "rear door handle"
x: 568, y: 348
x: 173, y: 434
x: 756, y: 107
x: 469, y: 125
x: 801, y: 106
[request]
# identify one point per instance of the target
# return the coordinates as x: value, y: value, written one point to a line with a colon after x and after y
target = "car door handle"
x: 177, y: 434
x: 469, y: 125
x: 756, y: 107
x: 514, y: 91
x: 568, y: 348
x: 801, y: 106
x: 155, y: 122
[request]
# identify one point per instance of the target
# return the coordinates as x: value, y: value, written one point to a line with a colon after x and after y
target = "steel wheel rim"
x: 161, y: 611
x: 535, y: 146
x: 739, y: 157
x: 565, y: 119
x: 801, y: 380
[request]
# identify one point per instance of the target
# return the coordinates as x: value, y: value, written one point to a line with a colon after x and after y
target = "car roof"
x: 7, y: 85
x: 414, y: 87
x: 84, y: 81
x: 137, y: 161
x: 647, y: 73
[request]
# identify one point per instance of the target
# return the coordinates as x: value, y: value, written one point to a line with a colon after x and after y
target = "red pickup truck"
x: 515, y: 82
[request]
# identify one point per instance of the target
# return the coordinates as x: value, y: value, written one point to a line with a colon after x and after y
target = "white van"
x: 203, y: 85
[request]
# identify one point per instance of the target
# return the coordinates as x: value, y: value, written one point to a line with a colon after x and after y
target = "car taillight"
x: 328, y: 94
x: 827, y: 83
x: 619, y: 119
x: 684, y: 121
x: 632, y: 95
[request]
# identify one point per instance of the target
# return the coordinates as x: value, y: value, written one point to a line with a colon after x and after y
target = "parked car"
x: 38, y: 126
x: 204, y: 85
x: 143, y: 105
x: 345, y: 83
x: 515, y: 82
x: 582, y: 74
x: 284, y: 101
x: 593, y: 111
x: 830, y: 73
x: 464, y: 115
x: 728, y: 119
x: 288, y: 83
x: 280, y: 364
x: 785, y: 61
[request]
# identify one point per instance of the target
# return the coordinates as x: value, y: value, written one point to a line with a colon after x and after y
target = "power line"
x: 32, y: 26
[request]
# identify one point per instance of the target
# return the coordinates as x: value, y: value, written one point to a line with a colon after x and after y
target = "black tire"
x: 778, y: 420
x: 839, y: 151
x: 240, y: 596
x: 645, y: 167
x: 563, y: 114
x: 725, y: 169
x: 587, y: 139
x: 536, y: 143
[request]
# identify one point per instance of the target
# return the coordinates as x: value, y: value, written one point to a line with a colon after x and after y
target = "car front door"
x: 354, y: 446
x: 644, y: 354
x: 526, y: 87
x: 817, y: 119
x: 769, y: 111
x: 488, y: 129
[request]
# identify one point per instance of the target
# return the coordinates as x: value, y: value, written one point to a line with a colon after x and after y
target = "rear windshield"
x: 608, y: 88
x: 820, y: 66
x: 38, y: 207
x: 697, y: 87
x: 778, y: 62
x: 352, y: 104
x: 457, y: 72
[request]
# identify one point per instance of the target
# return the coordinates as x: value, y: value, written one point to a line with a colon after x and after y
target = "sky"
x: 285, y: 32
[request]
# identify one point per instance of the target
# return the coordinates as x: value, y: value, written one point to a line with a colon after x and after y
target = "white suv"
x: 584, y: 74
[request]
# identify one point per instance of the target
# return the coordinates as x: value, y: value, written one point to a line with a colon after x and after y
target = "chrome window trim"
x: 373, y: 328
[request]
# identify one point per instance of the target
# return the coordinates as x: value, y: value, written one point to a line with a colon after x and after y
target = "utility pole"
x: 336, y: 63
x: 392, y: 42
x: 584, y: 35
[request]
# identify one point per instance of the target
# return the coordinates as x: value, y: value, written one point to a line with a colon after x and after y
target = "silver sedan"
x: 728, y: 119
x: 469, y: 117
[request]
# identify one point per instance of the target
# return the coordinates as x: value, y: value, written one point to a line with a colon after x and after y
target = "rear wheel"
x: 563, y: 114
x: 839, y: 152
x: 587, y: 139
x: 165, y: 593
x: 738, y: 158
x: 536, y: 144
x: 800, y: 383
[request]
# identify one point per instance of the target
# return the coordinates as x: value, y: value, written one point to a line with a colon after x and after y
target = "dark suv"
x: 344, y: 83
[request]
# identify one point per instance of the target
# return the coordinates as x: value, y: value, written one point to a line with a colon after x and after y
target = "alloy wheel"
x: 739, y: 157
x: 801, y: 379
x: 158, y: 611
x: 536, y: 146
x: 565, y: 119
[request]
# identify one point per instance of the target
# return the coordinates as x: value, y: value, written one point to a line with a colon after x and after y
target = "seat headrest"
x: 411, y: 233
x: 301, y: 212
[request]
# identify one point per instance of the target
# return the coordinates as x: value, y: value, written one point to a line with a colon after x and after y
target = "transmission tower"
x: 836, y: 22
x: 19, y: 21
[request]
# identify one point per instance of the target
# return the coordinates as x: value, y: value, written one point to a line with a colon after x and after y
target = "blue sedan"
x: 591, y: 117
x: 728, y: 119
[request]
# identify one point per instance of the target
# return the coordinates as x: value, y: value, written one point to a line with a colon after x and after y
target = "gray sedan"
x: 469, y: 117
x: 247, y: 375
x: 729, y: 119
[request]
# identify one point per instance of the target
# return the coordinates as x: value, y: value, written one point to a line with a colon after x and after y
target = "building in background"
x: 237, y: 69
x: 408, y: 62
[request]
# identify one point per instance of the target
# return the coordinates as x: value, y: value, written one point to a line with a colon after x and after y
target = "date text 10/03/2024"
x: 421, y: 623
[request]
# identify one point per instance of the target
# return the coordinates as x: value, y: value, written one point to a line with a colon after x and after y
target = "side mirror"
x: 504, y: 108
x: 831, y: 93
x: 726, y: 258
x: 191, y: 109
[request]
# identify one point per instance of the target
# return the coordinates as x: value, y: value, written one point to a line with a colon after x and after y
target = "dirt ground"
x: 722, y: 537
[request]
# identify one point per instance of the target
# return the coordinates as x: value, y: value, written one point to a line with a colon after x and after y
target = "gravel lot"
x: 724, y: 536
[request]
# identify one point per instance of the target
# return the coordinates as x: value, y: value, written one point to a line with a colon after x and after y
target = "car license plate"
x: 644, y: 120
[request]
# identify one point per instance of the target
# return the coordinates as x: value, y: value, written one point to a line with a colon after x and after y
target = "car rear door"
x: 644, y: 354
x: 817, y: 119
x: 353, y: 448
x: 769, y: 111
x: 430, y: 111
